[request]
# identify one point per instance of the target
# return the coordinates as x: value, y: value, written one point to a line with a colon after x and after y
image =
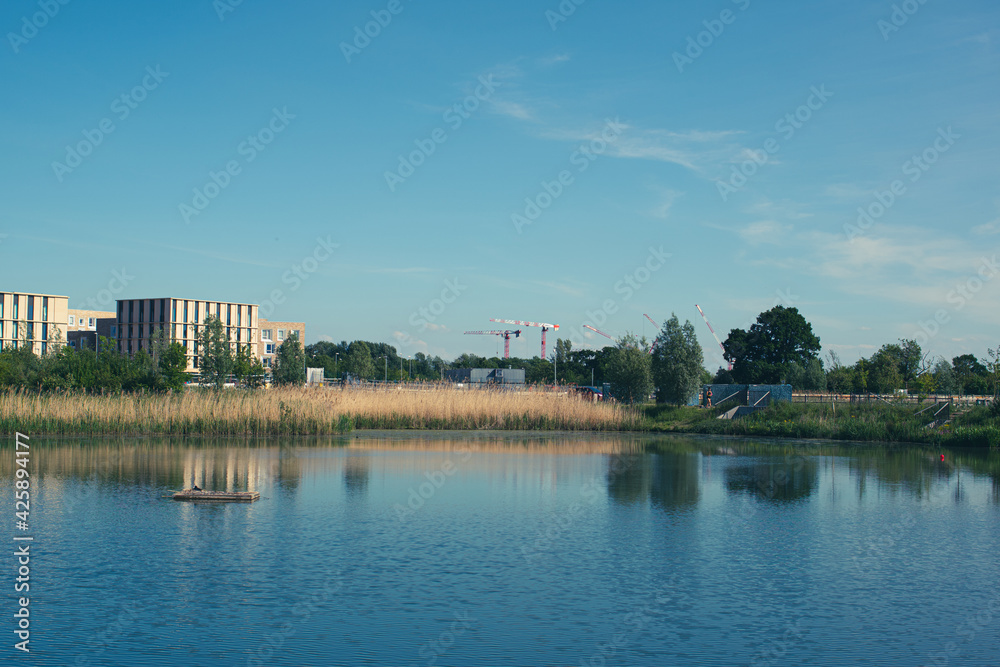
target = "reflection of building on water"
x: 239, y: 469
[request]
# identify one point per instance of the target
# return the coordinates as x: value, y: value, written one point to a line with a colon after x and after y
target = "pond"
x: 487, y: 549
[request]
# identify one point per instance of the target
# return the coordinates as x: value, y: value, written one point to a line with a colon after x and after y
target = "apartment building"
x: 273, y: 334
x: 137, y: 320
x: 38, y: 319
x: 84, y: 326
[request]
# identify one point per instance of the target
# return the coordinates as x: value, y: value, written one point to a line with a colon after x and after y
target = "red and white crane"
x: 545, y: 327
x: 714, y: 335
x: 587, y: 326
x: 506, y: 338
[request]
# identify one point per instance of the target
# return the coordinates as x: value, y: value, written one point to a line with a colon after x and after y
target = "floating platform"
x: 218, y: 496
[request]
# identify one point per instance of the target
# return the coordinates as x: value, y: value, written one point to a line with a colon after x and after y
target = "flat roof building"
x: 180, y: 320
x: 38, y: 319
x: 273, y: 334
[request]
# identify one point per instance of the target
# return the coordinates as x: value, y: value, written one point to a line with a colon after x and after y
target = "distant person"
x: 708, y: 396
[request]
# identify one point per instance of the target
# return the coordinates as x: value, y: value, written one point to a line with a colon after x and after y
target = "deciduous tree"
x: 763, y: 354
x: 676, y: 362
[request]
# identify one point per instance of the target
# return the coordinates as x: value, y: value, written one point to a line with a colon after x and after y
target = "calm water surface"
x: 484, y: 550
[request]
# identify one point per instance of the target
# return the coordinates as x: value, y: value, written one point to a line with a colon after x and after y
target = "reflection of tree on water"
x: 629, y: 477
x: 781, y: 479
x: 675, y: 480
x: 668, y: 479
x: 357, y: 470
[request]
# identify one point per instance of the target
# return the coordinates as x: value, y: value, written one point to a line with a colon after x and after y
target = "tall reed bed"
x: 304, y: 411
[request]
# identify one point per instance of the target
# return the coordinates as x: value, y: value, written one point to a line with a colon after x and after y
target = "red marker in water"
x: 942, y: 458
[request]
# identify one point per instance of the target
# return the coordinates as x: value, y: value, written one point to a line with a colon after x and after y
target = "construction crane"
x: 587, y: 326
x: 714, y: 335
x: 506, y: 338
x: 653, y: 344
x: 545, y: 327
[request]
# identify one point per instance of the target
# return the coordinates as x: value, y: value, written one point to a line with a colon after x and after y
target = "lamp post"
x: 386, y: 358
x: 401, y: 370
x: 336, y: 365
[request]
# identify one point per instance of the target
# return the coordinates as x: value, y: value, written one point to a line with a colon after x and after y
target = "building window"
x: 269, y: 348
x: 72, y: 320
x: 229, y: 315
x: 91, y: 322
x: 72, y: 344
x: 1, y: 305
x: 196, y: 304
x: 265, y: 334
x: 281, y: 335
x: 163, y: 310
x: 239, y: 316
x: 114, y: 331
x: 31, y: 308
x: 173, y: 311
x: 17, y: 300
x: 185, y: 311
x: 44, y: 347
x: 131, y: 304
x: 45, y: 309
x: 142, y: 311
x: 267, y: 362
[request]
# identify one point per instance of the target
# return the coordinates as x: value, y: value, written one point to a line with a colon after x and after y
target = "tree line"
x: 159, y: 367
x: 779, y: 347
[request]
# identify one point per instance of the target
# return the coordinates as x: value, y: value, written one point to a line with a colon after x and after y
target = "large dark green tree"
x: 676, y: 362
x: 215, y: 355
x: 289, y: 363
x: 764, y: 353
x: 970, y: 374
x: 629, y: 371
x: 359, y: 361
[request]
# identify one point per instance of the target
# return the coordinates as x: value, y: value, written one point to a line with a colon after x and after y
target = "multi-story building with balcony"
x: 181, y: 320
x: 35, y: 319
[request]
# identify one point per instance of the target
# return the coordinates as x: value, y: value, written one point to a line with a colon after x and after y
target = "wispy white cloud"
x: 667, y: 198
x: 987, y: 229
x: 765, y: 231
x: 510, y: 108
x: 556, y: 59
x: 696, y: 150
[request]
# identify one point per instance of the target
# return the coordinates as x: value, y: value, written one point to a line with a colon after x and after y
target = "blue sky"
x: 252, y: 157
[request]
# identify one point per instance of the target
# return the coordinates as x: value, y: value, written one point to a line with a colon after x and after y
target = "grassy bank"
x: 859, y: 422
x: 303, y: 412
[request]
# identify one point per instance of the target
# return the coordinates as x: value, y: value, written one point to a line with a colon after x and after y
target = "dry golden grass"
x: 305, y: 411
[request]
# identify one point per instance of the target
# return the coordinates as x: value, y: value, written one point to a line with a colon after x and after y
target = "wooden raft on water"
x: 221, y: 496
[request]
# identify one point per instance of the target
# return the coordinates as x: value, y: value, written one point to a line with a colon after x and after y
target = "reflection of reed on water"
x: 667, y: 471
